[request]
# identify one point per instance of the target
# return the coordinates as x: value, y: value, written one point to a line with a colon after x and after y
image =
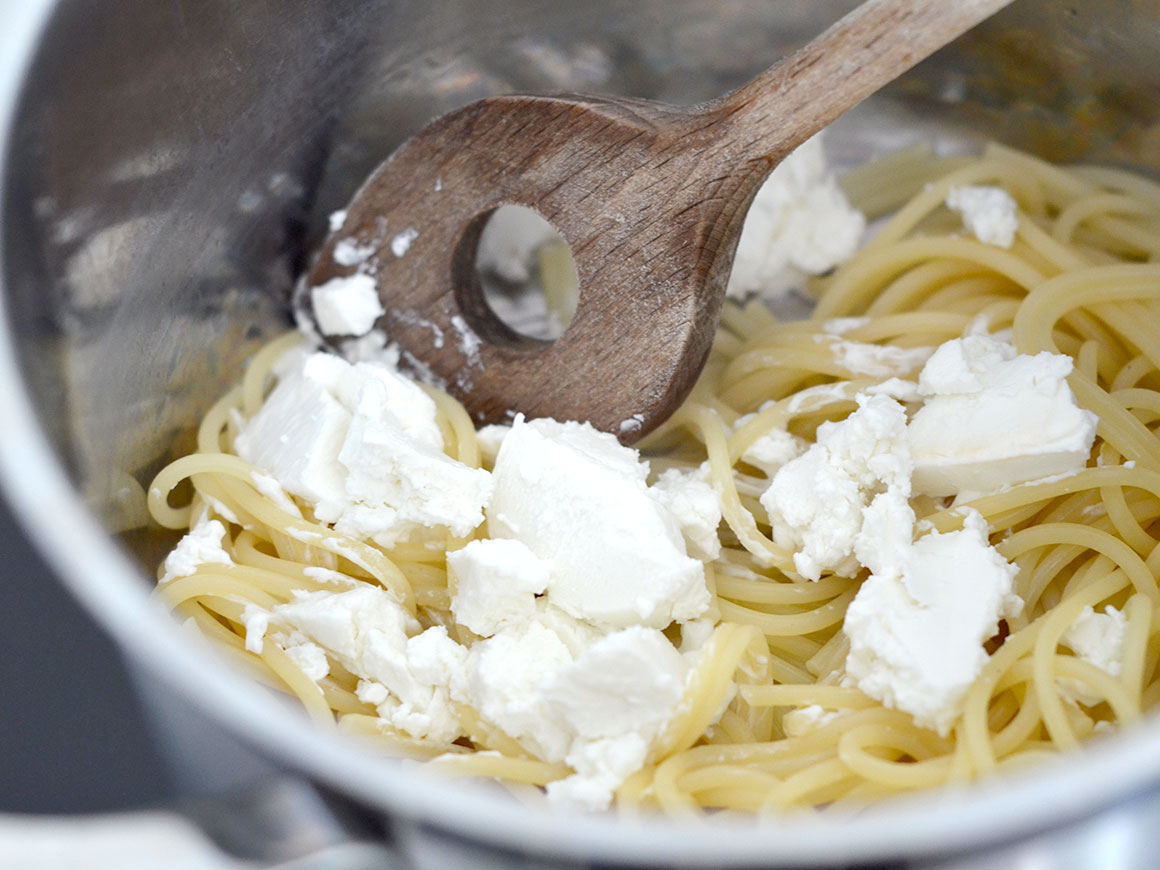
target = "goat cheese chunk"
x: 917, y: 627
x: 598, y: 710
x: 815, y: 502
x: 347, y: 306
x: 1098, y: 639
x: 202, y: 545
x: 362, y: 445
x: 993, y: 417
x: 497, y: 581
x: 406, y: 673
x: 800, y: 223
x: 990, y: 213
x: 772, y: 449
x: 578, y: 499
x: 691, y: 499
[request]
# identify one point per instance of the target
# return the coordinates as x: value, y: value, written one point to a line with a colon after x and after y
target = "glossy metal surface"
x: 166, y: 166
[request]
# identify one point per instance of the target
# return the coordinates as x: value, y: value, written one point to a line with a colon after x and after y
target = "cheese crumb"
x: 405, y: 673
x: 815, y: 502
x: 800, y: 223
x: 795, y: 723
x: 401, y: 242
x: 347, y: 306
x: 993, y: 417
x: 361, y: 445
x: 497, y: 582
x: 578, y: 499
x: 990, y: 213
x: 202, y: 545
x: 690, y: 498
x: 917, y: 628
x: 348, y: 252
x: 1098, y: 638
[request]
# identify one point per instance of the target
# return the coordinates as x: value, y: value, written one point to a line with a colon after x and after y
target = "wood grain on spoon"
x: 650, y: 198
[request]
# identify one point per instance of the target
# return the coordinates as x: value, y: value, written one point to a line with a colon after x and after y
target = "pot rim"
x: 112, y: 589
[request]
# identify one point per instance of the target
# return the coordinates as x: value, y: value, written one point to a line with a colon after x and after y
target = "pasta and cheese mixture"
x: 909, y: 541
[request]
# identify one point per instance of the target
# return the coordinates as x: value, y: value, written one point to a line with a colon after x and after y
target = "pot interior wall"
x: 173, y: 162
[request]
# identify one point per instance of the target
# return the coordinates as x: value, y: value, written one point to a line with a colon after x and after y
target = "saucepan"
x: 166, y: 168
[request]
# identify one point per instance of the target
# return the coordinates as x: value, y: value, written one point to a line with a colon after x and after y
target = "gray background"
x: 72, y: 738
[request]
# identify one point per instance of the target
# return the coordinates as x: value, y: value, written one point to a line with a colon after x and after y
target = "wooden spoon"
x: 650, y: 198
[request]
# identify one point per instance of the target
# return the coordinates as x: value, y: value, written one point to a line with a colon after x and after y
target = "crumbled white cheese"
x: 631, y: 424
x: 271, y: 489
x: 691, y: 499
x: 336, y: 220
x: 578, y: 499
x: 773, y: 448
x: 310, y: 657
x: 330, y: 576
x: 627, y: 682
x: 993, y: 417
x: 883, y: 542
x: 1098, y: 638
x: 509, y: 241
x: 496, y: 584
x: 362, y: 445
x: 917, y: 630
x: 489, y: 438
x: 616, y: 697
x: 815, y: 502
x: 601, y: 766
x: 504, y: 678
x: 372, y: 347
x: 348, y: 252
x: 599, y: 710
x: 878, y: 360
x: 347, y: 306
x: 553, y: 671
x: 257, y: 622
x: 202, y: 545
x: 401, y: 242
x: 990, y: 213
x: 220, y: 508
x: 795, y: 723
x: 842, y: 325
x: 800, y: 222
x: 405, y: 673
x: 696, y: 633
x: 576, y: 634
x: 896, y: 388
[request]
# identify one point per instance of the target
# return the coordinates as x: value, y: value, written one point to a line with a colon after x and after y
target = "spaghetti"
x: 1079, y: 280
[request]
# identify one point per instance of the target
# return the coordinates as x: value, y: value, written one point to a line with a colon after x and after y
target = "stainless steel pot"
x: 166, y: 166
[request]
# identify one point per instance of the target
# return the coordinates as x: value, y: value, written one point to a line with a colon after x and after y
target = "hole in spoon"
x: 527, y: 273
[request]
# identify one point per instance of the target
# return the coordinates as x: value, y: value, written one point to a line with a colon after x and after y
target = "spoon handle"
x: 866, y: 49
